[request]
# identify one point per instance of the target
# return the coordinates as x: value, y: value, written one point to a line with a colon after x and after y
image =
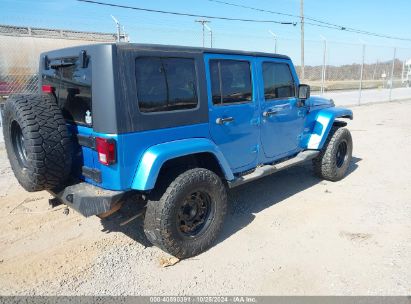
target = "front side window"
x: 278, y: 81
x: 230, y: 81
x: 166, y: 84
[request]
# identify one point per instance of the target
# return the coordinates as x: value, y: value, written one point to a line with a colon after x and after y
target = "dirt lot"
x: 290, y: 233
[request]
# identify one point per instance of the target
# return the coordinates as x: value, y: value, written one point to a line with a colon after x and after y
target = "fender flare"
x: 323, y: 124
x: 154, y: 158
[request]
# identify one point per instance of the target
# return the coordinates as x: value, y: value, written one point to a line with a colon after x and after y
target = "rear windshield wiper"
x: 61, y: 62
x: 54, y: 64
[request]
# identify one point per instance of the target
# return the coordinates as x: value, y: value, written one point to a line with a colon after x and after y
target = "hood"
x: 319, y: 102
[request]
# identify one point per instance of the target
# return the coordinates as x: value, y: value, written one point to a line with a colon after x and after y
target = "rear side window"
x: 166, y: 84
x: 278, y: 81
x: 230, y: 81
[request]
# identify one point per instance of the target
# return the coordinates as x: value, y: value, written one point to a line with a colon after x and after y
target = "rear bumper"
x: 88, y: 199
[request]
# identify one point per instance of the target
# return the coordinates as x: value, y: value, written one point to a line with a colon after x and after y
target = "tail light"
x: 47, y: 89
x: 106, y: 150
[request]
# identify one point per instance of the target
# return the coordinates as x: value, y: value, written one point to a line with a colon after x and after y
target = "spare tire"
x: 37, y: 140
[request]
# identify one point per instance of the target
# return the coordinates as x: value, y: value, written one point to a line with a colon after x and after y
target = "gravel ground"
x: 289, y: 233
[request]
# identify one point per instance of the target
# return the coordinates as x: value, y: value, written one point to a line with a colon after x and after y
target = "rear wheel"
x: 186, y: 219
x: 37, y: 141
x: 335, y: 158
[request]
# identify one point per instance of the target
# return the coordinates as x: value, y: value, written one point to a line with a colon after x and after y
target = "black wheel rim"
x: 195, y: 214
x: 19, y: 148
x: 341, y: 153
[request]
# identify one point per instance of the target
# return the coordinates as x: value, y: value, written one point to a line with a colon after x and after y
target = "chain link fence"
x: 373, y: 74
x: 20, y: 49
x: 350, y: 73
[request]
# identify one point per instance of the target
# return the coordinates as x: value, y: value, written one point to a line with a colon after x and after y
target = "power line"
x: 315, y: 22
x: 187, y: 14
x: 268, y: 11
x: 362, y: 32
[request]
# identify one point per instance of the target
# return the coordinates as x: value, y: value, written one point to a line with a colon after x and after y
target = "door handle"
x: 220, y: 121
x: 269, y: 113
x: 284, y: 106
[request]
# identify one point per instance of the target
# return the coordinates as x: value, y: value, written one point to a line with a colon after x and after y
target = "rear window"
x: 75, y: 91
x: 166, y: 84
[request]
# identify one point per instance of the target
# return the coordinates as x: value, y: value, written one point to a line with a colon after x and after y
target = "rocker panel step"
x: 270, y: 169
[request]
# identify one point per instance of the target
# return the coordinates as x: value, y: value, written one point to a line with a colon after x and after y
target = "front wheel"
x: 335, y: 158
x: 185, y: 220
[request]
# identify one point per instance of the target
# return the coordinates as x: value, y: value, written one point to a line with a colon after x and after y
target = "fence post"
x: 324, y: 66
x: 361, y: 74
x: 392, y: 72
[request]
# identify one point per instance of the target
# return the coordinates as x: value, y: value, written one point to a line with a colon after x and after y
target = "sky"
x: 385, y: 17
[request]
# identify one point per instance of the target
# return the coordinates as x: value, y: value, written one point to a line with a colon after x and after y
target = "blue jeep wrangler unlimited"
x: 175, y: 125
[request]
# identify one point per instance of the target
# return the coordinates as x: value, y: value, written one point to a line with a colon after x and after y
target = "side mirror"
x: 304, y: 91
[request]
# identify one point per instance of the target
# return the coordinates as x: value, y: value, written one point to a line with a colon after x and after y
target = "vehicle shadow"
x: 243, y: 202
x: 254, y: 197
x: 133, y: 229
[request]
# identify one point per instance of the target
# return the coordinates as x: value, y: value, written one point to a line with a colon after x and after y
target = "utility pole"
x: 275, y: 41
x: 302, y: 39
x: 118, y: 27
x: 211, y: 34
x: 203, y: 22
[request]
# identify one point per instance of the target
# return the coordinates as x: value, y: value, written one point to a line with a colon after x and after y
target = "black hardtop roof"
x: 190, y: 49
x: 161, y: 47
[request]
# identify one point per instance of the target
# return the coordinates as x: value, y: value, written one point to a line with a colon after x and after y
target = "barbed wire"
x: 23, y: 31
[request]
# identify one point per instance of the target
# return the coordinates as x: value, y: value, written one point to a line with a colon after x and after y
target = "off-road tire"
x: 44, y: 138
x: 325, y: 165
x: 160, y: 223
